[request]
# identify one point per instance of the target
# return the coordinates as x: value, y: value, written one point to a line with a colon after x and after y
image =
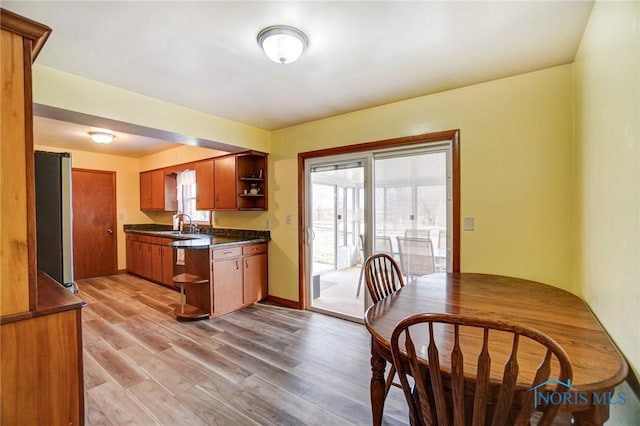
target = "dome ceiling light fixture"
x: 282, y: 44
x: 102, y: 137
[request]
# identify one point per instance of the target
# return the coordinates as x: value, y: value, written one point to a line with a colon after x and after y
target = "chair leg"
x: 389, y: 381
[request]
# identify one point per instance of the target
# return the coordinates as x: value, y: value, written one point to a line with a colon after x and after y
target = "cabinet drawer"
x: 226, y: 253
x: 155, y: 240
x: 249, y: 249
x: 139, y: 237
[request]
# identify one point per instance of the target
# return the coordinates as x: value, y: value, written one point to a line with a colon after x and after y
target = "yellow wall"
x: 127, y: 194
x: 59, y: 89
x: 177, y: 155
x: 607, y: 121
x: 516, y: 172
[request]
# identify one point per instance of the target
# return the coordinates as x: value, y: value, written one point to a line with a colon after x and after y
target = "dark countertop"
x: 203, y: 241
x: 223, y: 238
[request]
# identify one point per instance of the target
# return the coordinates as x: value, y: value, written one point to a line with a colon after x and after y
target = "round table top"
x: 597, y: 364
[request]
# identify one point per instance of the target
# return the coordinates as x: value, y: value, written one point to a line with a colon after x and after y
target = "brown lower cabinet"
x: 238, y: 275
x: 149, y: 257
x: 255, y: 272
x: 228, y: 293
x: 168, y: 260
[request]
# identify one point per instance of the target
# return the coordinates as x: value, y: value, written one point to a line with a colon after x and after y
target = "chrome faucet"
x: 181, y: 217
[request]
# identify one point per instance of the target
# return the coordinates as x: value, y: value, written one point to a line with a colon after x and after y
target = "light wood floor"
x: 262, y: 365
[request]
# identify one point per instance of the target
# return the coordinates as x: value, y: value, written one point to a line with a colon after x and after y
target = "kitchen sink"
x: 181, y: 234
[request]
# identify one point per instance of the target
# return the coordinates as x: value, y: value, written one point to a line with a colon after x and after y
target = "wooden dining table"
x: 597, y: 365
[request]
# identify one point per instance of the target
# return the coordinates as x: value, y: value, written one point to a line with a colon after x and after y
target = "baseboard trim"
x: 294, y: 304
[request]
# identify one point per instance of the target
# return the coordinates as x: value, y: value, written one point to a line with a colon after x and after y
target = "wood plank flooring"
x: 263, y: 365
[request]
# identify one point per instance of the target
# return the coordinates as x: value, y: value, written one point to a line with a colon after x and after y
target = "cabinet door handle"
x: 237, y: 266
x: 246, y: 263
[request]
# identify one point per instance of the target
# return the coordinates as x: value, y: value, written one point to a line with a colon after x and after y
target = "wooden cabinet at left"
x: 158, y: 191
x: 41, y: 360
x: 40, y: 321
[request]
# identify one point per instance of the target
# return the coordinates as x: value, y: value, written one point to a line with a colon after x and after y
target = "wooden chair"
x: 382, y: 275
x: 383, y: 245
x: 416, y: 256
x: 443, y: 394
x: 383, y: 278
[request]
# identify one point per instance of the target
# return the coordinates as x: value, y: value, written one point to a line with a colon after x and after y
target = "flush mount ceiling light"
x: 282, y: 44
x: 101, y: 137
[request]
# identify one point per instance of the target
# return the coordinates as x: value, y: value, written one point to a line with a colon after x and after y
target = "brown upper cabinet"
x: 224, y: 170
x: 230, y: 182
x: 204, y: 185
x: 158, y: 191
x: 216, y: 183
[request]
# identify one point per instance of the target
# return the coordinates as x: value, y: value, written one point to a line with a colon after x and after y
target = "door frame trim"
x: 436, y: 137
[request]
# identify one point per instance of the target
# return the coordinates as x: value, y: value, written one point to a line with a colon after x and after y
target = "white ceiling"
x: 204, y: 54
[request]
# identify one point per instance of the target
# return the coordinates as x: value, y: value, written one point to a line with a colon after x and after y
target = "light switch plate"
x: 468, y: 223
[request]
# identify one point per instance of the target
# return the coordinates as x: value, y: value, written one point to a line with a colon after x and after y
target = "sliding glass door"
x: 335, y: 251
x: 412, y: 209
x: 394, y: 201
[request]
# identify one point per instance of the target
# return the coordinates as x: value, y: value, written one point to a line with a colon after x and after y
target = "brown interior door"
x: 94, y: 223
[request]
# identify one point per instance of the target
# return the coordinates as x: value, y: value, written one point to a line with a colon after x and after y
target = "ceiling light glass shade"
x: 282, y: 44
x: 102, y: 137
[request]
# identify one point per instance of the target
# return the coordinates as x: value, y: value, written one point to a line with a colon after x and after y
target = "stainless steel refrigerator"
x: 54, y: 218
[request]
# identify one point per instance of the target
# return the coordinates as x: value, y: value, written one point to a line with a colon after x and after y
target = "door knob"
x: 109, y: 231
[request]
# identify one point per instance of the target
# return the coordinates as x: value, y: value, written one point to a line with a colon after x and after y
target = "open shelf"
x: 252, y: 173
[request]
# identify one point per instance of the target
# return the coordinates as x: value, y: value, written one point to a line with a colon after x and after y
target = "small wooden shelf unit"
x: 185, y: 311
